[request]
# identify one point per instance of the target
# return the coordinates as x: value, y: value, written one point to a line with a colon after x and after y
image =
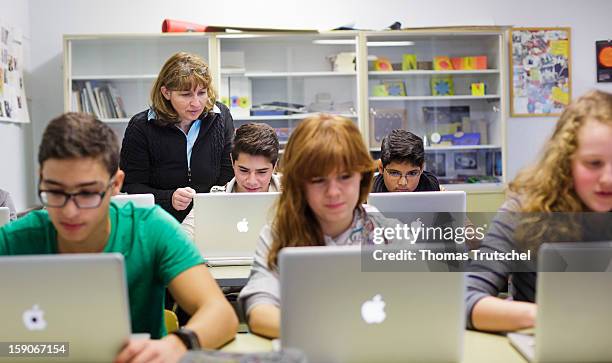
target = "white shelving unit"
x: 469, y: 127
x: 287, y: 69
x: 128, y: 63
x: 251, y: 69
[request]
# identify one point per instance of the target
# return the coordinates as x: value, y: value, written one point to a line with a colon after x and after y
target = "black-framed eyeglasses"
x: 394, y: 174
x: 83, y: 200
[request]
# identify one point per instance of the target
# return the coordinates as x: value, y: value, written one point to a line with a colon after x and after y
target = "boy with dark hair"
x: 79, y: 171
x: 402, y: 157
x: 254, y: 155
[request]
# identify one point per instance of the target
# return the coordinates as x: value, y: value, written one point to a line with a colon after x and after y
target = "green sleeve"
x: 32, y: 234
x: 174, y: 251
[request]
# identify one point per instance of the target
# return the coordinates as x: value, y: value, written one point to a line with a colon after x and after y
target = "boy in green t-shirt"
x: 78, y: 160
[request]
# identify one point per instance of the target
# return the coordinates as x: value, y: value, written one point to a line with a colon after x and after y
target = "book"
x: 395, y: 87
x: 442, y: 85
x: 117, y: 102
x: 92, y: 99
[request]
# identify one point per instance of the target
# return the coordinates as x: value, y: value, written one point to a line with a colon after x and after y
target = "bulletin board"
x: 540, y: 61
x: 13, y: 107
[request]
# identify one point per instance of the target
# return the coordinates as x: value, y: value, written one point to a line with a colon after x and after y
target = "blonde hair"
x: 320, y: 145
x: 548, y: 186
x: 181, y: 72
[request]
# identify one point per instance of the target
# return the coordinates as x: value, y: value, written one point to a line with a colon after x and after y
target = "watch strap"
x: 188, y: 337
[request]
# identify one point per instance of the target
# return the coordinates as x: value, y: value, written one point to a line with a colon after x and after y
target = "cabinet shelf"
x: 115, y: 77
x: 297, y: 116
x: 297, y: 74
x: 116, y: 120
x: 431, y: 72
x: 7, y: 119
x: 433, y: 98
x: 453, y: 147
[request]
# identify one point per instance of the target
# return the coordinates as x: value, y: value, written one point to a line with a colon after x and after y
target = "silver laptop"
x: 335, y: 312
x: 447, y: 201
x: 574, y: 319
x: 80, y: 300
x: 139, y: 200
x: 5, y: 215
x: 428, y: 209
x: 227, y: 225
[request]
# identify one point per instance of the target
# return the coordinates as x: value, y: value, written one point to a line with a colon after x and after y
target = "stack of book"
x: 99, y: 99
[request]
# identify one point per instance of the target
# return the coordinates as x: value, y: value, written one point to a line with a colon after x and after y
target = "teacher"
x: 181, y: 145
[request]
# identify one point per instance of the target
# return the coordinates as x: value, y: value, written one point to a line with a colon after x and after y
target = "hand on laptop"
x: 182, y: 197
x: 169, y: 349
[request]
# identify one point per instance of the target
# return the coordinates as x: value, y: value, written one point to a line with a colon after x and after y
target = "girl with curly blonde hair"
x: 573, y: 175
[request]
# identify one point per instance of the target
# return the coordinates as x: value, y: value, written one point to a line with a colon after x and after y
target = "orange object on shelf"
x: 179, y: 26
x: 383, y: 64
x: 442, y: 63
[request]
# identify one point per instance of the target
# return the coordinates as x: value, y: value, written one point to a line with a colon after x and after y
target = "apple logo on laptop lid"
x: 242, y: 226
x: 373, y: 311
x: 33, y: 319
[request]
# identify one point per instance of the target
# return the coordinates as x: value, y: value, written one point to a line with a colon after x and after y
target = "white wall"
x: 16, y: 159
x: 50, y: 19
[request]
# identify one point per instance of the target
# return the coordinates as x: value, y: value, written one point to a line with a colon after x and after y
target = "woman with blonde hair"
x: 181, y: 144
x: 326, y: 176
x: 573, y: 175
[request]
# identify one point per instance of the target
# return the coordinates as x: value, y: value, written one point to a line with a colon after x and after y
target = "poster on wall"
x: 603, y: 49
x: 540, y: 71
x: 13, y: 107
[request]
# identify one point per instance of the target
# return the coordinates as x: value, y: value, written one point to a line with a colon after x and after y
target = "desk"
x: 478, y: 347
x: 231, y: 275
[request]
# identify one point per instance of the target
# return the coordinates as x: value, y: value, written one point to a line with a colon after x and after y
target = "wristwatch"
x: 188, y: 337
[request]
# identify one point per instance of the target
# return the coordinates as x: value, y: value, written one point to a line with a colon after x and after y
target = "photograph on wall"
x: 603, y: 50
x: 540, y: 71
x: 12, y: 92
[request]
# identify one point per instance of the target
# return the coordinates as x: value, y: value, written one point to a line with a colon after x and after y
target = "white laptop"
x: 139, y: 200
x: 227, y: 225
x: 5, y: 216
x: 573, y: 321
x: 80, y: 300
x: 335, y: 312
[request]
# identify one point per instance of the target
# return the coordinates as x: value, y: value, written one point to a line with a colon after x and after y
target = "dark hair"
x: 402, y: 146
x: 256, y: 139
x: 79, y: 135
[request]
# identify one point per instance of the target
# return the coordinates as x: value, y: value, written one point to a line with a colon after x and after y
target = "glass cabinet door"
x: 445, y: 88
x: 282, y: 79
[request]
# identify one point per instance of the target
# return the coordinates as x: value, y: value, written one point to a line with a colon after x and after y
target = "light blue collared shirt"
x: 191, y: 136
